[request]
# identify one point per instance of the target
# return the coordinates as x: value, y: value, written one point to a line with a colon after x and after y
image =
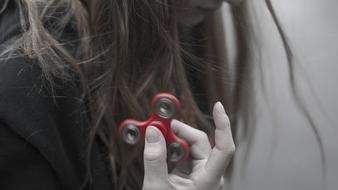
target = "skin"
x: 206, y: 166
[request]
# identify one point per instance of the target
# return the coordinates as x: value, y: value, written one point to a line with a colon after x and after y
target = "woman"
x: 71, y: 70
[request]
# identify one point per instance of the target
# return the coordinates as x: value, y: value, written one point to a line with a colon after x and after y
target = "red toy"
x: 164, y: 106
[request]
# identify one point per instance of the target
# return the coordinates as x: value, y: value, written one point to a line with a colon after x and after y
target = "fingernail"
x: 173, y: 125
x: 220, y: 106
x: 152, y: 135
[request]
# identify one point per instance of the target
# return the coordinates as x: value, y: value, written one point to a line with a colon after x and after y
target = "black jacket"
x: 43, y: 136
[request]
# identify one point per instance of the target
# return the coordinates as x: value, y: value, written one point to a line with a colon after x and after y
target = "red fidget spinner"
x: 164, y: 106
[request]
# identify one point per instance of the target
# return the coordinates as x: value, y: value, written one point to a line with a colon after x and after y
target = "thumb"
x: 155, y: 160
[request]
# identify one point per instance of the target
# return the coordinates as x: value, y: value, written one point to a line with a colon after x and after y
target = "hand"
x: 207, y: 164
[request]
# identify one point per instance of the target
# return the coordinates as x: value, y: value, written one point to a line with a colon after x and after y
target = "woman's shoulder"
x: 29, y: 102
x: 49, y: 114
x: 17, y: 73
x: 54, y: 122
x: 22, y: 83
x: 26, y: 93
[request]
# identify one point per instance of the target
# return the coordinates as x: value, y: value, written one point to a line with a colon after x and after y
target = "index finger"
x: 199, y: 143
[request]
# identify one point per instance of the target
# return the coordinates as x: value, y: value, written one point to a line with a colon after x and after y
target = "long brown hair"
x: 127, y: 51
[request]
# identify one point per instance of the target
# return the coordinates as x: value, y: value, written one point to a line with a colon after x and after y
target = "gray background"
x: 285, y: 154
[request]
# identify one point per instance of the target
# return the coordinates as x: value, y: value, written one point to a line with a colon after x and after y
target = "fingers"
x: 199, y: 143
x: 224, y: 145
x: 184, y: 169
x: 155, y: 160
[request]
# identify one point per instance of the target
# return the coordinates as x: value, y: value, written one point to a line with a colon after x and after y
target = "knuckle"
x: 153, y: 155
x: 153, y: 186
x: 230, y: 151
x: 202, y: 136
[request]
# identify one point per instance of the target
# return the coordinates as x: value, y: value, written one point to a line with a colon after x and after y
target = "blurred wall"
x: 284, y: 153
